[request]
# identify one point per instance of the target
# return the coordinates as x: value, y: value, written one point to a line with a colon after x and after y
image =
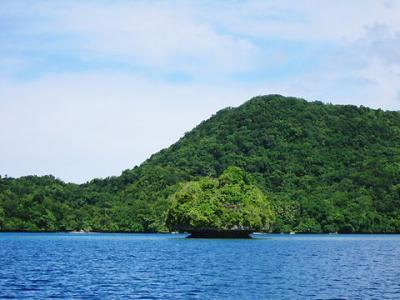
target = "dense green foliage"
x: 325, y: 168
x: 230, y: 202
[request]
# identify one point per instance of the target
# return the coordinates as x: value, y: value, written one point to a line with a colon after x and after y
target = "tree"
x: 229, y: 203
x: 2, y: 218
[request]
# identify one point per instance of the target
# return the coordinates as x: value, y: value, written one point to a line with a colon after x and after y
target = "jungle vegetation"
x: 228, y: 203
x: 323, y: 167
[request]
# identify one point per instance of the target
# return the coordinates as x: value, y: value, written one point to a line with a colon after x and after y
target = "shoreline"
x: 154, y: 232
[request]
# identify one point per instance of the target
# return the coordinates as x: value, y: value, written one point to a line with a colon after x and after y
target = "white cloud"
x: 201, y: 38
x: 152, y: 35
x: 95, y: 124
x: 306, y: 20
x: 119, y: 107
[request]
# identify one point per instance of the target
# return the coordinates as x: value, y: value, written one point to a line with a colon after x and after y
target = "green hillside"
x: 325, y: 168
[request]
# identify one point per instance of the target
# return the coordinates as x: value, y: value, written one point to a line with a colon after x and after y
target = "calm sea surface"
x: 150, y: 266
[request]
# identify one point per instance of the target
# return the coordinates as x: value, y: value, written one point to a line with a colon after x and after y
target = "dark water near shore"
x: 150, y: 266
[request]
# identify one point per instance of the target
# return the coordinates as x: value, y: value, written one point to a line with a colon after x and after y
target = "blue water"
x: 150, y: 266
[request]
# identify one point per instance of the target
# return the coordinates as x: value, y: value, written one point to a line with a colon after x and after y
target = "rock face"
x: 227, y: 207
x: 223, y: 234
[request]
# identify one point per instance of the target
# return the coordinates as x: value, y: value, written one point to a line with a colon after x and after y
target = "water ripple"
x: 138, y: 266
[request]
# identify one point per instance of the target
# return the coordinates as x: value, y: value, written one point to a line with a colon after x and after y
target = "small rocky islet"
x: 227, y: 207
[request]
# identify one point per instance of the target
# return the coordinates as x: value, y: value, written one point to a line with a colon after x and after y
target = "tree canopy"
x: 230, y: 202
x: 324, y: 168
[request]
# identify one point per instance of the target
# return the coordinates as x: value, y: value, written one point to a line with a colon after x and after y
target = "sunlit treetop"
x: 229, y: 202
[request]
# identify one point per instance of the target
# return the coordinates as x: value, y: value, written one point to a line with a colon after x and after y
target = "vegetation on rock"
x: 324, y: 168
x: 229, y: 203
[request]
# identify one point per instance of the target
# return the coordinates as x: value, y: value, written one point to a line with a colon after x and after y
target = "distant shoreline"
x: 147, y: 232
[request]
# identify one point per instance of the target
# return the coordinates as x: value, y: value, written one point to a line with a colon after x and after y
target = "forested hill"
x: 326, y: 168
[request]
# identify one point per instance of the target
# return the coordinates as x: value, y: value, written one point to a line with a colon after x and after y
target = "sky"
x: 91, y: 88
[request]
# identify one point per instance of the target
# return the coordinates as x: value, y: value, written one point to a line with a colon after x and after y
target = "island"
x: 229, y: 206
x: 324, y: 168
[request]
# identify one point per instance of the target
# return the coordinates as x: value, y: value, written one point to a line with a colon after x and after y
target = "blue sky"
x: 89, y: 88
